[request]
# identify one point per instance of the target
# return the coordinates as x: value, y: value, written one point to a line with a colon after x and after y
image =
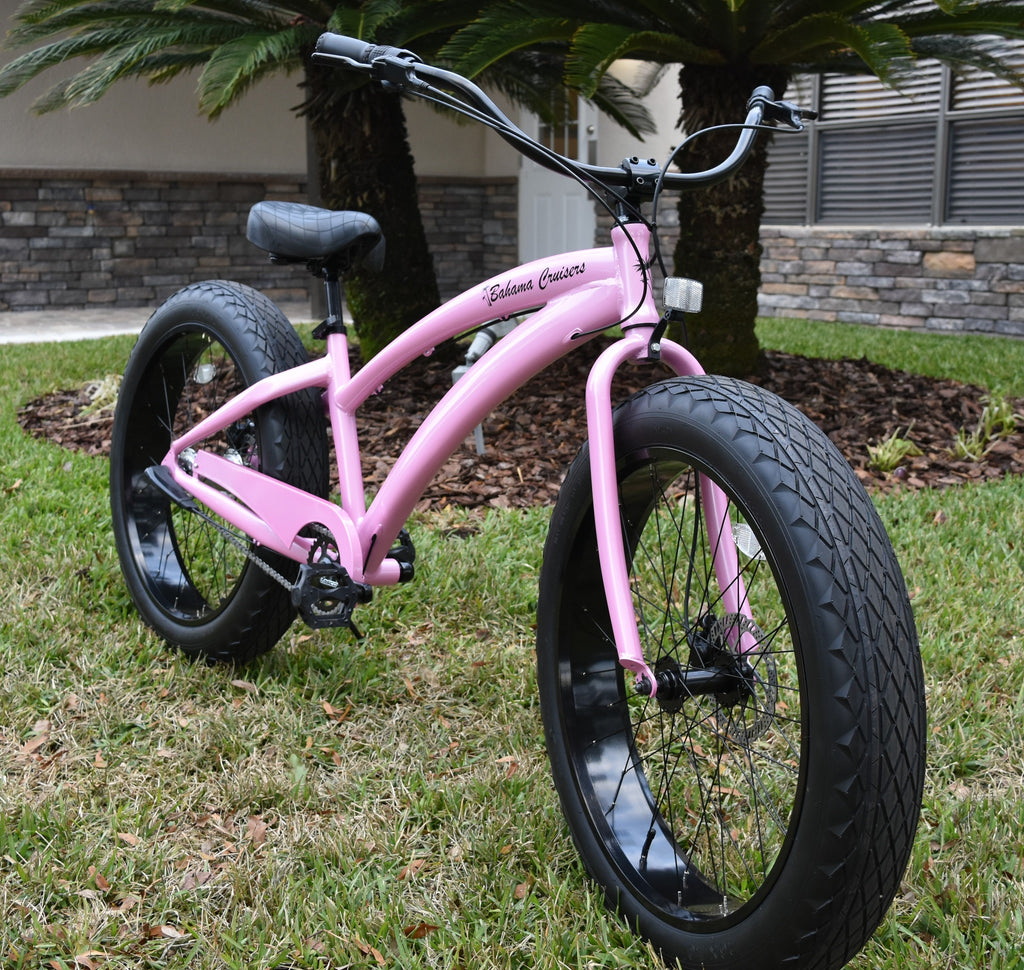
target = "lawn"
x: 386, y: 802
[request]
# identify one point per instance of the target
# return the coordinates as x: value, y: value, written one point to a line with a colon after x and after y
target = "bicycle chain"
x: 247, y: 550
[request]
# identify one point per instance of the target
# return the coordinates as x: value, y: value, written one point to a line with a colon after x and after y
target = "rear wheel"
x: 760, y: 810
x: 200, y: 584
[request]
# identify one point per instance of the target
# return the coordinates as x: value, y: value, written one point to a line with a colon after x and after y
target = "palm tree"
x: 726, y: 48
x: 359, y: 131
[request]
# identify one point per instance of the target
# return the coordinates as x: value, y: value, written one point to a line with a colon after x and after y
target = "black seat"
x: 294, y: 233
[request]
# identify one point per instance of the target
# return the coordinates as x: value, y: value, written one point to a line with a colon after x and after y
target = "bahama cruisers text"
x: 502, y: 291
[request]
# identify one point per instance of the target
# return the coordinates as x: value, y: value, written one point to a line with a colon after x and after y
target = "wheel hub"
x: 744, y: 682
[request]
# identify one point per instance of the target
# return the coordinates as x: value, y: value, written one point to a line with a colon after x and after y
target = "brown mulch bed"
x: 532, y: 437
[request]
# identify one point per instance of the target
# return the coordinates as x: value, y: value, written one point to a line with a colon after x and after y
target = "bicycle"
x: 730, y: 684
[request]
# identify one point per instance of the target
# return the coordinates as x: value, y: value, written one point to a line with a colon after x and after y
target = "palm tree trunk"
x: 719, y: 228
x: 365, y: 164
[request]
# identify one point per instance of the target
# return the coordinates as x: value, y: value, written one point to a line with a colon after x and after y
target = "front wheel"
x: 760, y: 810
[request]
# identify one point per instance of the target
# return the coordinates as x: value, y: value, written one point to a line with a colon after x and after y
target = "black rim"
x: 188, y: 567
x: 695, y: 793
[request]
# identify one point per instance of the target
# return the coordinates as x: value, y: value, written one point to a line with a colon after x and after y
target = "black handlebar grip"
x: 338, y: 45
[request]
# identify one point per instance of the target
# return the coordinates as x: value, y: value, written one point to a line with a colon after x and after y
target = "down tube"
x: 549, y: 334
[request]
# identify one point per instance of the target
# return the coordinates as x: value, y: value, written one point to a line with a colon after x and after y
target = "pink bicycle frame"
x: 575, y: 296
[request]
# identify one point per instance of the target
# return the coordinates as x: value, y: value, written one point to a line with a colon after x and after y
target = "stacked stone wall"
x: 77, y: 241
x: 80, y: 241
x: 968, y: 281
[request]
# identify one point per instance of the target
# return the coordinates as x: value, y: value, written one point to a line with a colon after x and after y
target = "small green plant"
x: 969, y: 445
x: 998, y: 420
x: 102, y: 394
x: 890, y: 453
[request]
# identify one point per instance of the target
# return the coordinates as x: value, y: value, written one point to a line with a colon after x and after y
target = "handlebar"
x: 402, y: 70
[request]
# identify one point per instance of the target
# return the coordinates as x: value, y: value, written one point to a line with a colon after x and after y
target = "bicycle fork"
x: 607, y: 517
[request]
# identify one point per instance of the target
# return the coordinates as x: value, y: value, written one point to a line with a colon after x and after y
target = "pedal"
x: 404, y: 553
x: 326, y: 595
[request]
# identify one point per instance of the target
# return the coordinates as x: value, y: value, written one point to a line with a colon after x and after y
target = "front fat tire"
x: 196, y: 589
x: 736, y: 830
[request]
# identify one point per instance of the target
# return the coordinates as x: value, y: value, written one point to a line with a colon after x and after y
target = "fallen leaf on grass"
x: 128, y: 839
x: 98, y: 878
x: 256, y: 830
x: 410, y: 870
x: 193, y: 880
x: 369, y: 951
x: 419, y: 930
x: 336, y: 715
x: 245, y: 685
x: 163, y: 932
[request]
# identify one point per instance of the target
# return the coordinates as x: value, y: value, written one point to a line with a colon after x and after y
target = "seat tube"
x: 343, y: 429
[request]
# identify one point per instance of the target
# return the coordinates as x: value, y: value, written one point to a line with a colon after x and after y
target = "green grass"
x: 391, y: 796
x: 996, y: 363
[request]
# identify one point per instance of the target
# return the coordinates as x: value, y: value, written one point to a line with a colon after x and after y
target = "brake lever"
x: 789, y: 114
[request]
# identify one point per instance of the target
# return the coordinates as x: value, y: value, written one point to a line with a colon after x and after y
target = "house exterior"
x: 894, y: 211
x: 901, y: 209
x: 126, y: 200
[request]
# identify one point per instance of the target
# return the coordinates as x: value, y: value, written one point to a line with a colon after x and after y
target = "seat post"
x: 334, y: 292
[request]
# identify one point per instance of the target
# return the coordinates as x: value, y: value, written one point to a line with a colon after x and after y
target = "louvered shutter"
x: 846, y: 98
x: 975, y: 90
x: 986, y: 172
x: 986, y: 155
x: 876, y: 175
x: 785, y: 181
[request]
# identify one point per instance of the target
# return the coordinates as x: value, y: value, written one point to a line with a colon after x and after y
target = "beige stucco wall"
x: 136, y: 127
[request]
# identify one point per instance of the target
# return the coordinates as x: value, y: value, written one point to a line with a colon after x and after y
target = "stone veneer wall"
x: 82, y: 240
x: 472, y: 227
x: 941, y: 279
x: 79, y: 240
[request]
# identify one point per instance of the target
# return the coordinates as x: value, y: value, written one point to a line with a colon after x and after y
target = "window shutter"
x: 986, y: 182
x: 974, y: 89
x: 846, y: 97
x: 877, y: 175
x: 785, y: 181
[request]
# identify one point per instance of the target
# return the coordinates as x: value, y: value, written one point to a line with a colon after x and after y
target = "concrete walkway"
x: 44, y: 326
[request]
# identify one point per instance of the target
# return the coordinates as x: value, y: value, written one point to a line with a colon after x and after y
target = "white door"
x: 556, y: 214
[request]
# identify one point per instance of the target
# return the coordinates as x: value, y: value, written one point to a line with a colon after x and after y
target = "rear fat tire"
x: 189, y: 583
x: 795, y: 806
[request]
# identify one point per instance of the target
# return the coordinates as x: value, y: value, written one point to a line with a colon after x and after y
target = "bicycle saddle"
x: 295, y: 233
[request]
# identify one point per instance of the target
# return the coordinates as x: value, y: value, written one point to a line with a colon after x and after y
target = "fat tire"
x: 861, y: 739
x: 288, y: 441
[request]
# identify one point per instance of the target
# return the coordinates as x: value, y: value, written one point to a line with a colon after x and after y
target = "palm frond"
x: 595, y: 47
x: 962, y: 53
x: 624, y: 105
x: 235, y: 66
x: 1005, y: 19
x: 499, y: 31
x: 364, y: 20
x: 883, y: 48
